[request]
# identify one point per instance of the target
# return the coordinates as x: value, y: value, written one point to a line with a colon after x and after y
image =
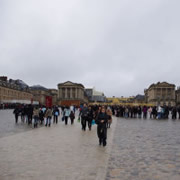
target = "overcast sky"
x: 118, y: 46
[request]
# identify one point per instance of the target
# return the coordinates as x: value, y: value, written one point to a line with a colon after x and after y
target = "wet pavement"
x: 145, y: 150
x: 58, y: 152
x: 137, y: 149
x: 8, y: 126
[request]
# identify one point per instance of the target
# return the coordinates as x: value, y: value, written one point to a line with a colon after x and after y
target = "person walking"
x: 72, y: 117
x: 16, y: 113
x: 56, y: 113
x: 30, y: 113
x: 90, y: 117
x: 84, y: 116
x: 36, y: 116
x: 109, y: 113
x: 66, y: 114
x: 48, y: 116
x: 41, y: 116
x: 150, y: 112
x: 159, y: 112
x: 101, y: 122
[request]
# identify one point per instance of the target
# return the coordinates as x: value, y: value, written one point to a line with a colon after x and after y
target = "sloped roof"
x: 38, y: 87
x: 69, y: 83
x: 161, y: 84
x: 140, y: 97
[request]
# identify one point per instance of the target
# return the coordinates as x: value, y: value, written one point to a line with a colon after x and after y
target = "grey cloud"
x: 120, y: 47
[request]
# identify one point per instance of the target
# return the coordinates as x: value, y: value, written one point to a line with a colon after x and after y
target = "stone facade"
x: 12, y: 93
x: 71, y: 94
x: 54, y: 94
x: 178, y: 96
x: 40, y: 95
x: 161, y: 93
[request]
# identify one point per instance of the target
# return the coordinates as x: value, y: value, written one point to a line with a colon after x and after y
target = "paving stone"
x: 59, y: 152
x: 145, y: 150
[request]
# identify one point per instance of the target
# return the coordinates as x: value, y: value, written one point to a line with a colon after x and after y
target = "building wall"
x: 54, y: 94
x: 178, y: 97
x: 160, y: 94
x: 71, y: 94
x: 8, y: 94
x: 40, y: 96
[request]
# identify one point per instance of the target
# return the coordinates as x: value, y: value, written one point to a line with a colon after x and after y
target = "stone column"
x: 76, y: 93
x: 65, y: 93
x: 60, y: 93
x: 81, y: 93
x: 71, y: 95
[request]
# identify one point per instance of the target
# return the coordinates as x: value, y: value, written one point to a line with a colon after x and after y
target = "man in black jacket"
x: 84, y: 116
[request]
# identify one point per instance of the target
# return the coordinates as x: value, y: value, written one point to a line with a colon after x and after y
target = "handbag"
x: 93, y: 122
x: 63, y: 118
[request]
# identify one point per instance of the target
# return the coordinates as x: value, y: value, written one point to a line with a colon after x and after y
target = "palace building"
x: 46, y: 97
x: 161, y: 93
x: 70, y: 93
x: 14, y: 91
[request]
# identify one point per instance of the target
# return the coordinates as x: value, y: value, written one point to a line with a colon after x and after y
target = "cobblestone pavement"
x: 137, y: 150
x: 145, y: 150
x: 56, y: 153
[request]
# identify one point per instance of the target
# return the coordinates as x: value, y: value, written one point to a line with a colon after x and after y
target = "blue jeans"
x: 48, y: 121
x: 159, y: 115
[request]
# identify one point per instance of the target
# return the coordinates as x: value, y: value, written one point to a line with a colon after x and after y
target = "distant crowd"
x: 7, y: 106
x: 155, y: 112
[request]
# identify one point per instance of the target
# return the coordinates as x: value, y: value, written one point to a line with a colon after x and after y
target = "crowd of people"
x: 89, y: 115
x: 35, y: 115
x: 155, y: 112
x: 7, y: 106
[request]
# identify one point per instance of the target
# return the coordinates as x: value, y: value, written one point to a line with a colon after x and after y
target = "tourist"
x: 145, y: 109
x: 150, y: 112
x: 55, y: 115
x: 72, y: 117
x: 101, y: 122
x: 16, y: 113
x: 126, y: 112
x: 41, y: 115
x: 22, y: 113
x: 36, y: 116
x: 154, y: 112
x: 84, y: 116
x: 166, y: 112
x: 66, y: 114
x: 48, y: 116
x: 109, y: 113
x: 139, y: 111
x: 159, y: 111
x: 30, y: 113
x: 90, y: 117
x: 174, y: 113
